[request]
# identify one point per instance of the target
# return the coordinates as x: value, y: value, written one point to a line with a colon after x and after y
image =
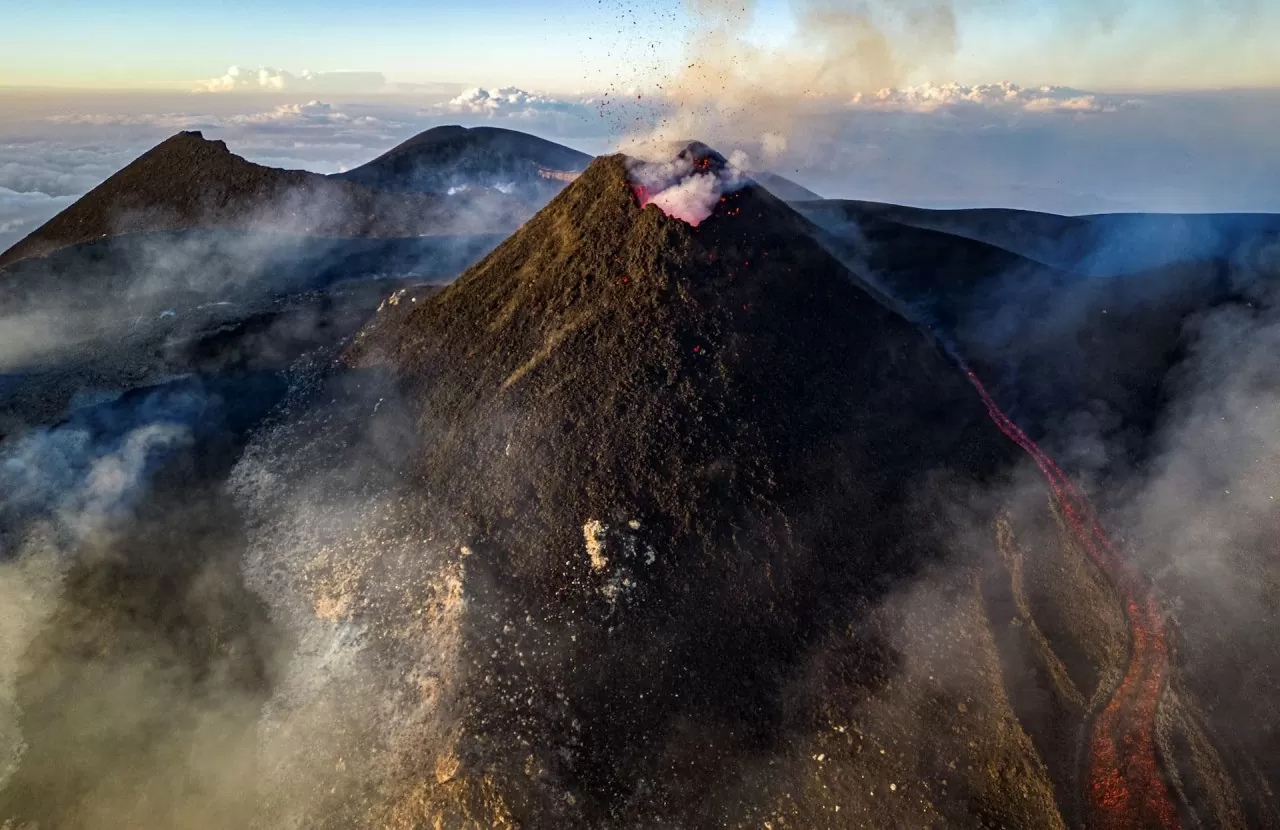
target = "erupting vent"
x: 689, y: 186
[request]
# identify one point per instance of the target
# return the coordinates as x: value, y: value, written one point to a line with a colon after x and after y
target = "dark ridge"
x: 1093, y: 245
x: 784, y: 188
x: 188, y: 181
x: 452, y: 157
x: 754, y: 443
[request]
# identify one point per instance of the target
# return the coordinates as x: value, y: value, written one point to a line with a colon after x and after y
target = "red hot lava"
x: 1126, y: 788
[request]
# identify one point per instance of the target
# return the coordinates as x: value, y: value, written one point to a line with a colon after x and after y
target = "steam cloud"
x: 686, y: 187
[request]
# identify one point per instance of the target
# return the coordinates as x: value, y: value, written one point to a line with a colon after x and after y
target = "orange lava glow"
x: 1126, y: 788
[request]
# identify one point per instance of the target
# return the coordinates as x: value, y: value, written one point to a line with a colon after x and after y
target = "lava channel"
x: 1126, y: 788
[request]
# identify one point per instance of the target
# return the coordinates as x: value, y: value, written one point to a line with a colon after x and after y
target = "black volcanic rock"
x: 188, y: 182
x: 452, y: 158
x: 679, y: 461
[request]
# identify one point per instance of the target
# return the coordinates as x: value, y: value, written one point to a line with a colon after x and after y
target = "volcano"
x: 683, y: 469
x: 189, y: 182
x: 458, y: 159
x: 639, y: 523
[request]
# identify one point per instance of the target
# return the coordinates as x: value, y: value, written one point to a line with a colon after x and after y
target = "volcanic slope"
x: 1052, y: 343
x: 188, y: 181
x: 1105, y: 244
x: 689, y: 472
x: 784, y: 188
x: 449, y: 157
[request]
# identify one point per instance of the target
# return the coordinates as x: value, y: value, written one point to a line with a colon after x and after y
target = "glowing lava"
x: 1125, y: 786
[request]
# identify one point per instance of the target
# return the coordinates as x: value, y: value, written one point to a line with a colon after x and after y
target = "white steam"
x: 686, y: 187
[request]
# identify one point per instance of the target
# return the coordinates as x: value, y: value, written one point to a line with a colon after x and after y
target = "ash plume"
x: 735, y: 92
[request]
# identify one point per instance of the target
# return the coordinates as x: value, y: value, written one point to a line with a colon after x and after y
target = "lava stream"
x: 1125, y: 786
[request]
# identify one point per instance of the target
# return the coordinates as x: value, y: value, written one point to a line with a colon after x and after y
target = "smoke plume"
x: 732, y: 90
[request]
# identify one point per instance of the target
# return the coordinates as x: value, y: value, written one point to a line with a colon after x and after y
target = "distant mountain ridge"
x: 1104, y: 244
x: 454, y: 158
x: 190, y: 182
x: 784, y: 188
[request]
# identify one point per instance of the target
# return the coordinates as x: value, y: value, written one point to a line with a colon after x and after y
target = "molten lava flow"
x: 1125, y: 788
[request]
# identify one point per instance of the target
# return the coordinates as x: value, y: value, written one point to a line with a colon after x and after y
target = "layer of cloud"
x: 269, y: 79
x: 40, y: 178
x: 946, y: 145
x: 21, y: 213
x: 1002, y: 96
x: 310, y: 113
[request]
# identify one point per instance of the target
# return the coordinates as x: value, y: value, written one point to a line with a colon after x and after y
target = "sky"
x: 563, y: 45
x: 1067, y: 106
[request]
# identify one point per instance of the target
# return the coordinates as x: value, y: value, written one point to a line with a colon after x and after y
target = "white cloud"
x: 926, y: 98
x: 24, y: 176
x: 169, y: 120
x: 38, y: 179
x: 268, y: 79
x: 513, y: 102
x: 21, y: 213
x: 310, y: 113
x: 52, y: 168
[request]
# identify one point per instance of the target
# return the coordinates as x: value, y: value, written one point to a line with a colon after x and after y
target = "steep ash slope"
x: 682, y: 466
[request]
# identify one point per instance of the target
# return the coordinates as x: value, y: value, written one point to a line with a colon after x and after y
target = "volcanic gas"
x: 689, y: 185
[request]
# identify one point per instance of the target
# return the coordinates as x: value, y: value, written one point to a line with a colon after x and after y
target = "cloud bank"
x: 510, y: 101
x: 268, y: 79
x: 1005, y: 96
